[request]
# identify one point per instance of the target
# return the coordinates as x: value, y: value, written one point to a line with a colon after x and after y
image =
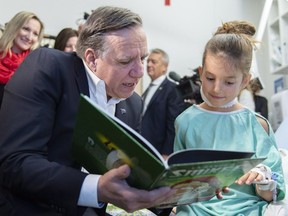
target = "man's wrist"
x: 88, y: 194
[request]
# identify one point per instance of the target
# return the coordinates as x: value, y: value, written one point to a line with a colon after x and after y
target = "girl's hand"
x: 261, y: 175
x: 219, y: 192
x: 249, y: 178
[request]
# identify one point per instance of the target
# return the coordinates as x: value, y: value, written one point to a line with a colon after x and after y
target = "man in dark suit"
x: 38, y: 175
x: 162, y: 104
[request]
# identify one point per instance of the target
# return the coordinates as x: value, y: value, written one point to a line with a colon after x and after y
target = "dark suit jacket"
x: 261, y: 105
x: 158, y: 120
x: 38, y: 175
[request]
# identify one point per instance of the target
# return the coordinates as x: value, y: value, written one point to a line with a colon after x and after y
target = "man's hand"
x: 113, y: 188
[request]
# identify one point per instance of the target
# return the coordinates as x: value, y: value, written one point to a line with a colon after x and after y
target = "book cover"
x: 102, y: 142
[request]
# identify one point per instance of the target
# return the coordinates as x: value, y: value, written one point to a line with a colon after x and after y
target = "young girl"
x: 21, y: 35
x: 221, y: 123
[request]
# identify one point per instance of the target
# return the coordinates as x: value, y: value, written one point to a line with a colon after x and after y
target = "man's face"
x: 156, y: 66
x: 122, y: 65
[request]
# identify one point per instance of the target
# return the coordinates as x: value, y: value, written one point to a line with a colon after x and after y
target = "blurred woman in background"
x: 66, y: 40
x: 22, y: 34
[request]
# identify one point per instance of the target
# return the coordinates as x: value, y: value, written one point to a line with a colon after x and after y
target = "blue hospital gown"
x: 239, y: 130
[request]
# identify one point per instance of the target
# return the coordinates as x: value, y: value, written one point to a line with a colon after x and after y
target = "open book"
x: 101, y: 142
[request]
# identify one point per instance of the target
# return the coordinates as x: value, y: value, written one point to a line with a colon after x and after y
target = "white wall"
x: 182, y: 29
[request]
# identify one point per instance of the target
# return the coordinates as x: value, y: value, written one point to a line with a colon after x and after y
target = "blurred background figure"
x: 246, y: 98
x: 189, y: 87
x: 261, y: 103
x: 81, y: 21
x: 251, y: 98
x: 162, y: 103
x: 66, y: 40
x: 1, y: 29
x: 22, y: 34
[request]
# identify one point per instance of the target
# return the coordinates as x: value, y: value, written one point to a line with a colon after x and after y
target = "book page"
x: 101, y: 144
x: 132, y: 132
x: 201, y: 155
x: 198, y: 181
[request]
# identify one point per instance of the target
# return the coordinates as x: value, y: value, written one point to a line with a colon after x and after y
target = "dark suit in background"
x: 160, y: 110
x: 39, y: 106
x: 158, y: 120
x: 261, y: 105
x: 261, y: 102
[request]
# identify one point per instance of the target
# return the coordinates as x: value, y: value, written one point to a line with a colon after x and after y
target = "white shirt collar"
x: 159, y: 80
x: 98, y: 85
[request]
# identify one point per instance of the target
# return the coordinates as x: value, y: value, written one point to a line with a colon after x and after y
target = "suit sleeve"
x: 37, y: 120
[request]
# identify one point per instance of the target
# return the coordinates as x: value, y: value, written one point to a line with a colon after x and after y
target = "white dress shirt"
x: 88, y: 194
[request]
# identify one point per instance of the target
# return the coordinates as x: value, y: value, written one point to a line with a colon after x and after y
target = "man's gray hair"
x: 101, y: 22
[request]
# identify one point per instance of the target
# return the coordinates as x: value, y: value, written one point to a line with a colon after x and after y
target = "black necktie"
x: 146, y: 91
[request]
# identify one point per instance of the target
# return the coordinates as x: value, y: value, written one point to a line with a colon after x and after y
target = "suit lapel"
x: 158, y: 92
x: 81, y: 77
x: 121, y: 109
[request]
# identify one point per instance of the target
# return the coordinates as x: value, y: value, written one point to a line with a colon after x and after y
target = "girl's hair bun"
x: 236, y: 27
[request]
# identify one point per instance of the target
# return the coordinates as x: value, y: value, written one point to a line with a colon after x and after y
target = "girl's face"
x: 221, y: 82
x: 27, y: 36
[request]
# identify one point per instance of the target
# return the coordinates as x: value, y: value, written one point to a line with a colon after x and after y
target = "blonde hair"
x: 13, y: 27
